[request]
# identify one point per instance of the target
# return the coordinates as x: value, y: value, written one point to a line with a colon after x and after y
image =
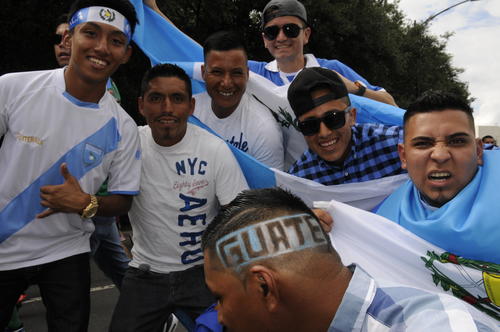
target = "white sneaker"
x: 171, y: 324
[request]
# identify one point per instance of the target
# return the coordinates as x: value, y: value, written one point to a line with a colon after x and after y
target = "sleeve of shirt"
x: 125, y: 172
x: 3, y: 105
x: 229, y: 179
x: 347, y: 72
x: 256, y: 66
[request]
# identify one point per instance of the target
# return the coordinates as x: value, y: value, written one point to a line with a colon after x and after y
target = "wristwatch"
x: 361, y: 88
x: 91, y: 209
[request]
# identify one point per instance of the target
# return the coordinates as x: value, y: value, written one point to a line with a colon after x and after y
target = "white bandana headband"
x: 268, y: 239
x: 103, y: 15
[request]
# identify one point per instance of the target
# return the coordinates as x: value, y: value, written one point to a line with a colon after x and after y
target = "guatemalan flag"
x: 385, y: 249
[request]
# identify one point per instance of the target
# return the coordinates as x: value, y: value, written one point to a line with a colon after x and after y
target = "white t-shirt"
x: 251, y: 128
x: 182, y: 187
x: 44, y: 126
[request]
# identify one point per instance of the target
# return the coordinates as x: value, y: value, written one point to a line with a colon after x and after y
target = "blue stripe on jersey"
x: 81, y: 159
x: 131, y: 193
x: 80, y: 103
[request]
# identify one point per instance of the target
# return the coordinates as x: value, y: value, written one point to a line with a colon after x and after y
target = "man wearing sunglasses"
x: 340, y: 151
x: 285, y: 32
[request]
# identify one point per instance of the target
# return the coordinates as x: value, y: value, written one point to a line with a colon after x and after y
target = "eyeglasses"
x: 333, y: 119
x: 56, y: 39
x: 291, y: 30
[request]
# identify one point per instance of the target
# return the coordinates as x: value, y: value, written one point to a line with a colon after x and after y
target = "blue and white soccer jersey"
x: 271, y: 71
x: 44, y: 127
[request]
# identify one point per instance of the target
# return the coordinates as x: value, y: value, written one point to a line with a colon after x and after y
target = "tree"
x: 370, y: 36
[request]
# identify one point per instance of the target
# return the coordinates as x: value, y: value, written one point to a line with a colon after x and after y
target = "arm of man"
x: 152, y: 4
x: 378, y: 95
x: 70, y: 198
x: 350, y: 76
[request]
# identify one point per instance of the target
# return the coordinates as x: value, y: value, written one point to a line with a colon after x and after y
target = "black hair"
x: 165, y: 70
x: 250, y: 207
x: 487, y: 136
x: 432, y: 101
x: 124, y: 7
x: 223, y: 41
x: 63, y: 18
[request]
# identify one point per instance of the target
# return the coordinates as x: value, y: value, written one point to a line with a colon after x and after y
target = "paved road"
x: 103, y: 299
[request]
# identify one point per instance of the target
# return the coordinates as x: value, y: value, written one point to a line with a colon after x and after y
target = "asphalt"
x: 104, y: 296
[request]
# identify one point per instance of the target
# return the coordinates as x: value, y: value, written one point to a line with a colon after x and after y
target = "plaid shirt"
x: 373, y: 155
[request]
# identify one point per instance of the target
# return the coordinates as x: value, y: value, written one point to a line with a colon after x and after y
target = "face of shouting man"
x: 440, y: 153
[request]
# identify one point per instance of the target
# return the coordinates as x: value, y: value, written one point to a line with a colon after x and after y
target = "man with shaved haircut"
x: 272, y: 268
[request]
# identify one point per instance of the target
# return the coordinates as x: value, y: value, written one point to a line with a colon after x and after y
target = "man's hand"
x: 325, y: 219
x: 67, y: 197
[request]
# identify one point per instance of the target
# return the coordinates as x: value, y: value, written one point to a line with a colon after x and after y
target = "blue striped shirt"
x: 373, y: 155
x: 367, y: 307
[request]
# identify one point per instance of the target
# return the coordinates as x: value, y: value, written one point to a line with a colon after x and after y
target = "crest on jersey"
x: 92, y: 154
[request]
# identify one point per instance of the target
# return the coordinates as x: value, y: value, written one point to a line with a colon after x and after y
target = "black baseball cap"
x: 278, y: 8
x: 310, y: 79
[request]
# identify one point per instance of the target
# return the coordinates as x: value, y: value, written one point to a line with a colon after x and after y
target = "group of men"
x: 265, y: 257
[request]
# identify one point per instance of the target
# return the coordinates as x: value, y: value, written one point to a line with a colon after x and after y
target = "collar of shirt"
x: 357, y: 298
x: 310, y: 62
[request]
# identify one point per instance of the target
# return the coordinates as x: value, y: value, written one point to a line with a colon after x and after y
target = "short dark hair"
x: 165, y: 70
x: 486, y: 136
x: 432, y: 101
x: 63, y: 18
x: 223, y: 41
x: 124, y: 7
x: 251, y: 207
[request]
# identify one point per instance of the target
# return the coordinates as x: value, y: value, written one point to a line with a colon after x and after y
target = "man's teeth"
x: 98, y: 61
x: 226, y: 94
x: 439, y: 175
x: 329, y: 143
x: 166, y: 121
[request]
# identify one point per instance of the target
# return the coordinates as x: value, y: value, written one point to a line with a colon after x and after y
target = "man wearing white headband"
x: 64, y: 135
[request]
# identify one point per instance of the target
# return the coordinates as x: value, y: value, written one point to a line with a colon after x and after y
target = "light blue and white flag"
x: 391, y: 253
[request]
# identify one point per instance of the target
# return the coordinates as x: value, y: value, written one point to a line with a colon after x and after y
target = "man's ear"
x: 66, y: 39
x: 307, y: 35
x: 263, y: 281
x: 352, y: 117
x: 128, y: 54
x: 479, y: 151
x: 192, y: 105
x: 140, y: 104
x: 203, y: 74
x: 402, y: 155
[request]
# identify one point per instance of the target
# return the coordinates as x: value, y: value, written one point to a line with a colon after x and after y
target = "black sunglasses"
x: 291, y: 30
x: 56, y: 39
x: 333, y: 119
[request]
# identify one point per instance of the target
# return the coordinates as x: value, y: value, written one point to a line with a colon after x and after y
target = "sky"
x: 474, y: 46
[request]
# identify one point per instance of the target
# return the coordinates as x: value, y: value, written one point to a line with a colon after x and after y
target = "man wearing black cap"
x: 285, y: 32
x: 340, y: 151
